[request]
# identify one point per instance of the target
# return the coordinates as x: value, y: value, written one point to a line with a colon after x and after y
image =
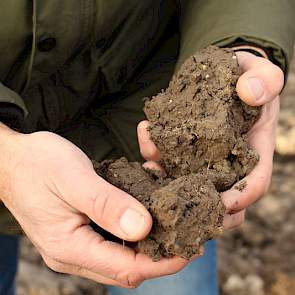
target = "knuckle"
x: 100, y: 204
x: 236, y: 206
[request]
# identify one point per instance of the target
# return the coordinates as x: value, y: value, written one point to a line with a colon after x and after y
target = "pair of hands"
x: 49, y: 185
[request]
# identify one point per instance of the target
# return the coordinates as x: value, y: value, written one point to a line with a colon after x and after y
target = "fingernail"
x: 256, y: 88
x: 132, y: 223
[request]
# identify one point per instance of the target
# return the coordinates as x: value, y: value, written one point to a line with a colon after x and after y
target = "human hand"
x: 259, y: 85
x: 51, y: 188
x: 268, y: 81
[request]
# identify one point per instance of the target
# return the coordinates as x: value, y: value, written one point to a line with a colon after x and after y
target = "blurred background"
x: 256, y: 259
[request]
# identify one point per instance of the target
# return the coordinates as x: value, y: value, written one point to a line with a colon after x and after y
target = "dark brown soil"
x: 199, y: 125
x: 186, y: 211
x: 199, y: 122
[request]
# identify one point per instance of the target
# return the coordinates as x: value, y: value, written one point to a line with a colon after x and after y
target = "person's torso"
x: 39, y: 37
x: 71, y: 43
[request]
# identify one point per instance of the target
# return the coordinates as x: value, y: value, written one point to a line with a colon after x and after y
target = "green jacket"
x: 55, y: 55
x: 41, y: 38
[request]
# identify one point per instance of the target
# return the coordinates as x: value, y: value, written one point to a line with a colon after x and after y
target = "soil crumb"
x: 241, y: 185
x: 199, y: 125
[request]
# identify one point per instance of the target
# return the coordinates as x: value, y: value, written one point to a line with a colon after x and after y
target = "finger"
x: 261, y: 139
x: 81, y: 272
x: 106, y: 205
x: 261, y: 81
x: 231, y: 221
x: 257, y: 183
x: 151, y: 165
x: 147, y: 148
x: 115, y: 262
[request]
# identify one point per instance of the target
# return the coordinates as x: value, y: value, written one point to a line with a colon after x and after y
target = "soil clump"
x: 199, y: 125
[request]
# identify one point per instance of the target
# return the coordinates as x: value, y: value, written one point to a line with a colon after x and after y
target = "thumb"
x: 261, y: 81
x: 111, y: 208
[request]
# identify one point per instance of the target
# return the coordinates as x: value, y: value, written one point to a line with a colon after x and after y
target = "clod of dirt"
x: 199, y: 122
x: 199, y: 125
x: 186, y: 211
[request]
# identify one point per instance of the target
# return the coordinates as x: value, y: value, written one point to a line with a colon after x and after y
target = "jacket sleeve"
x: 12, y: 108
x: 268, y: 24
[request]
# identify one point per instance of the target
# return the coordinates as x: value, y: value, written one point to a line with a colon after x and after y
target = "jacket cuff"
x: 225, y: 22
x: 274, y: 53
x: 12, y: 108
x: 252, y: 48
